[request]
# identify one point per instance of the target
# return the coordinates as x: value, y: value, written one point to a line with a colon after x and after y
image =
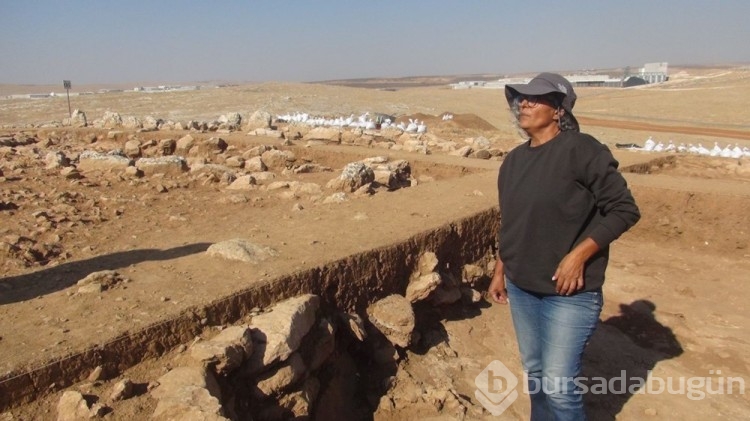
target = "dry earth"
x: 675, y: 299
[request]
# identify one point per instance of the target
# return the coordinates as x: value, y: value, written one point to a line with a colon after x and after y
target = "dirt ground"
x: 675, y: 298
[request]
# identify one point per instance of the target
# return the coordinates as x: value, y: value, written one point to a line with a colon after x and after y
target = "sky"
x: 104, y: 41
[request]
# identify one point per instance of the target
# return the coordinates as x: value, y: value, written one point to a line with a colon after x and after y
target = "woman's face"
x: 536, y: 112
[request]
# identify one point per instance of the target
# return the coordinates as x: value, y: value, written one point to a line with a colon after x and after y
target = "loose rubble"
x: 138, y: 160
x: 113, y: 160
x: 281, y: 362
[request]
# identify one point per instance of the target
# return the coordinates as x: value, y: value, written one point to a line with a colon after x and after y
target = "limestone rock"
x: 100, y: 281
x: 235, y: 162
x: 393, y: 175
x: 231, y: 121
x: 110, y: 120
x: 266, y: 133
x: 421, y: 287
x: 481, y: 154
x: 278, y: 333
x: 329, y: 134
x: 188, y: 393
x: 299, y: 188
x: 256, y: 151
x: 72, y: 173
x: 255, y: 164
x: 354, y: 176
x: 471, y: 274
x: 225, y: 351
x: 275, y: 381
x: 151, y: 123
x: 131, y: 122
x: 167, y: 147
x: 219, y: 171
x: 133, y: 148
x: 355, y: 324
x: 394, y: 317
x: 168, y: 165
x: 339, y: 197
x: 310, y: 168
x: 464, y: 151
x: 259, y: 119
x: 480, y: 142
x: 263, y: 176
x: 243, y: 250
x: 245, y: 182
x: 209, y: 147
x: 56, y: 160
x: 91, y: 160
x: 276, y: 159
x: 72, y: 407
x: 427, y: 264
x: 299, y: 402
x: 184, y: 144
x: 97, y: 374
x: 77, y: 119
x: 122, y: 390
x: 470, y: 295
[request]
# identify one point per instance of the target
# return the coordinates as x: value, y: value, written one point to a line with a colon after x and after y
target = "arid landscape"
x: 111, y: 279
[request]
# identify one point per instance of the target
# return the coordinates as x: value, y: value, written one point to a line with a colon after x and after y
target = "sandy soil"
x: 676, y: 296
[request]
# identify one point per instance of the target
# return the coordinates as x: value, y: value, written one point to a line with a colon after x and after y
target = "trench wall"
x: 349, y: 284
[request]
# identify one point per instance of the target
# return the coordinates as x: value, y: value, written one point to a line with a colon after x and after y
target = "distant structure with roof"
x: 654, y: 72
x: 649, y: 73
x: 142, y: 89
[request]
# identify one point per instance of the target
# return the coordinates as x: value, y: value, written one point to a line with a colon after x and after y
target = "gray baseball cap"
x: 542, y: 84
x: 547, y: 83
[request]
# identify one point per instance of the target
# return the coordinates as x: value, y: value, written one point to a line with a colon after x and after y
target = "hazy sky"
x: 100, y: 41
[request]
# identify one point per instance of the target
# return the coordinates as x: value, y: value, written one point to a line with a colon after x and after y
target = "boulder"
x: 167, y: 165
x: 188, y: 393
x: 394, y: 317
x: 77, y: 119
x: 242, y: 250
x: 91, y: 160
x: 354, y: 176
x: 278, y: 333
x: 226, y: 351
x: 258, y: 120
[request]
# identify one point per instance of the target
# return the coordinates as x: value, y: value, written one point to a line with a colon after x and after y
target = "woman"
x: 562, y: 202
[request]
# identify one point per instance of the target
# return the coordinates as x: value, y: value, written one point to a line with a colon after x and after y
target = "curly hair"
x: 568, y: 122
x: 515, y: 111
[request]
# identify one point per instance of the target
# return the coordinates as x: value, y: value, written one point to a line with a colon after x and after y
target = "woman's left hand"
x: 569, y: 273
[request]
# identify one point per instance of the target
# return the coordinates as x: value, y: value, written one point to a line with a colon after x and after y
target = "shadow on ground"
x: 25, y: 287
x: 622, y: 352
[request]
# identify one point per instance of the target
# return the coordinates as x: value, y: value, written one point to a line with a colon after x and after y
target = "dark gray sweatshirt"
x: 551, y: 198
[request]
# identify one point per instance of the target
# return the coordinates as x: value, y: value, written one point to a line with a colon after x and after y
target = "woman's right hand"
x: 497, y: 290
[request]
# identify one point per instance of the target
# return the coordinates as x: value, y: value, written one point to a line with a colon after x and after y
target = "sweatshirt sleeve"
x: 611, y: 193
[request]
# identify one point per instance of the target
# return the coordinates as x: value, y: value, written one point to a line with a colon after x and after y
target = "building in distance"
x: 648, y: 74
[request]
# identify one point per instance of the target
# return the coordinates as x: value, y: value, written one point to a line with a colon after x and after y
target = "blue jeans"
x: 552, y: 331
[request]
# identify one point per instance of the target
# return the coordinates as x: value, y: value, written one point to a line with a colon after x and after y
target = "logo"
x: 562, y: 88
x: 496, y: 388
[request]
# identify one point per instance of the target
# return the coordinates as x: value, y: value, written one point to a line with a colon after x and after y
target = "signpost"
x: 66, y: 85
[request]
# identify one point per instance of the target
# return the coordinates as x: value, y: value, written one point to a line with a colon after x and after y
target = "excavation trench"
x: 455, y: 218
x: 348, y: 284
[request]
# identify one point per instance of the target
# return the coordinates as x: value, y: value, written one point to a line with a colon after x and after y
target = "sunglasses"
x: 534, y: 100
